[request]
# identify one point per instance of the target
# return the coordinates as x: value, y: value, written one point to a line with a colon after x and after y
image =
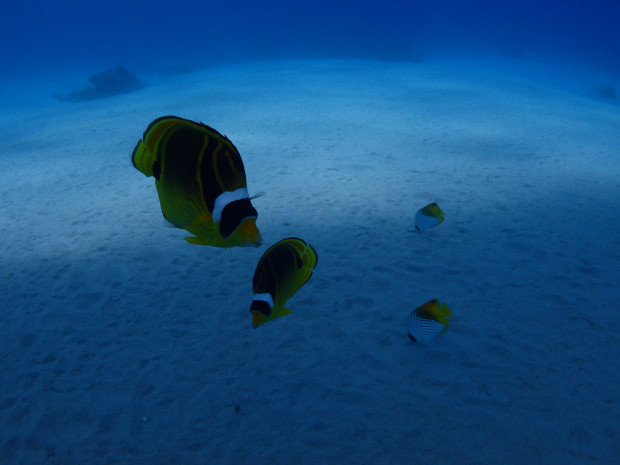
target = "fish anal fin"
x: 284, y: 312
x: 197, y: 240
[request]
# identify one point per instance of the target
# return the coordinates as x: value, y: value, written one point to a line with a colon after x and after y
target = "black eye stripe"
x: 260, y: 306
x: 233, y: 214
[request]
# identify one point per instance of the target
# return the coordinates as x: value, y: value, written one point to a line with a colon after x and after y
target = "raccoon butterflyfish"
x: 282, y: 270
x: 428, y: 217
x: 428, y: 321
x: 200, y: 180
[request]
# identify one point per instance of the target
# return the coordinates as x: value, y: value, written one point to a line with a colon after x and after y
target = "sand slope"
x: 122, y: 344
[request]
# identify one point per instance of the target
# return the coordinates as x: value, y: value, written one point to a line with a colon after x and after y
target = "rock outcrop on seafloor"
x: 105, y: 84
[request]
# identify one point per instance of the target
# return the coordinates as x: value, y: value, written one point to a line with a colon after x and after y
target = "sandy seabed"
x: 120, y: 343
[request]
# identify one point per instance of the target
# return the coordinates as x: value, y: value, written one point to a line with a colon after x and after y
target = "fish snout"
x: 250, y: 233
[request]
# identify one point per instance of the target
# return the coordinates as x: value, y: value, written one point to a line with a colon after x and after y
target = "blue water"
x: 39, y: 35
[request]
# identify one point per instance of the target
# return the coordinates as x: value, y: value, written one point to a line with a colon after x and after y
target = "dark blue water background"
x: 38, y: 36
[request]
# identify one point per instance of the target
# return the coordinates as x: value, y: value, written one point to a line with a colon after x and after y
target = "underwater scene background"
x: 121, y: 343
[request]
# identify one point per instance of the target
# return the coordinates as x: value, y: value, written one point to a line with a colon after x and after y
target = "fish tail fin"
x: 444, y: 314
x: 143, y: 159
x: 445, y: 310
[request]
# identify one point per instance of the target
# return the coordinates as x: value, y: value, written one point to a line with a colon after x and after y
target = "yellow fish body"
x: 429, y: 320
x: 200, y: 181
x: 282, y: 270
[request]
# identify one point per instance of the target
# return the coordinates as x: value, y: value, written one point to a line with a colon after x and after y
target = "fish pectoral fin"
x: 197, y: 240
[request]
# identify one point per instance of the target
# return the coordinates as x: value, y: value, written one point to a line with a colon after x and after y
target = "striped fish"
x: 428, y: 320
x: 428, y: 217
x: 282, y: 270
x: 200, y: 180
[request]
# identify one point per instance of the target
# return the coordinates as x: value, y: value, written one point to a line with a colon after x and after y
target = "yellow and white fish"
x: 282, y: 270
x: 428, y: 217
x: 200, y: 180
x: 428, y: 320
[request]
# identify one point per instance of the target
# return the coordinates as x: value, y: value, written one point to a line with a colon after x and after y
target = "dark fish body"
x: 200, y: 180
x: 282, y: 270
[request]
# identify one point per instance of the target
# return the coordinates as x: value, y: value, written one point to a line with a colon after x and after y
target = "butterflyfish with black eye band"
x: 282, y: 270
x: 200, y: 180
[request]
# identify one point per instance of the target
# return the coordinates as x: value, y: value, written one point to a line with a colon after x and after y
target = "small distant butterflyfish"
x: 428, y: 321
x: 428, y: 217
x: 282, y: 270
x: 200, y: 181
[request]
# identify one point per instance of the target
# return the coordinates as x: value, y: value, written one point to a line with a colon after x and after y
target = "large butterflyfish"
x: 200, y: 181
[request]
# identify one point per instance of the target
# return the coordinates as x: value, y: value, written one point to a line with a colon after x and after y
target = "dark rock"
x: 105, y: 84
